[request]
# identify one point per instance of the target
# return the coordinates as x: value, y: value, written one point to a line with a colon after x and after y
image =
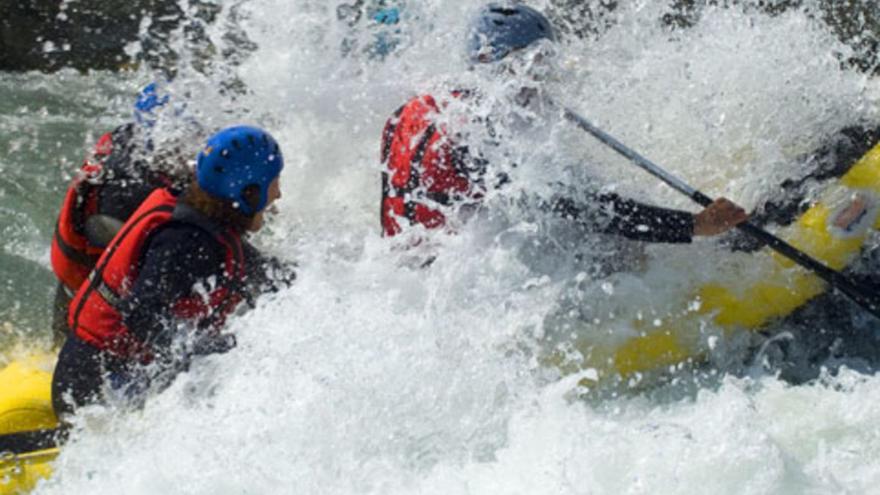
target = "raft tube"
x: 26, y: 407
x: 833, y: 231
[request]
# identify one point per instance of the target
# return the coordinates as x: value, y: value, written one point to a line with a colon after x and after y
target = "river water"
x: 370, y: 376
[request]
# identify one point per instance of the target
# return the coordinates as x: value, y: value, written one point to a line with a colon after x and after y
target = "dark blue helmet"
x: 235, y: 159
x: 500, y: 29
x: 150, y: 99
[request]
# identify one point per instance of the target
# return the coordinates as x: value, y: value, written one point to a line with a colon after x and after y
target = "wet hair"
x: 221, y: 210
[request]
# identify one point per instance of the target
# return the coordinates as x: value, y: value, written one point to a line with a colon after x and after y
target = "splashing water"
x: 369, y: 376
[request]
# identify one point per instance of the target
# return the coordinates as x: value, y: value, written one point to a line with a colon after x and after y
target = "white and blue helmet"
x: 502, y: 28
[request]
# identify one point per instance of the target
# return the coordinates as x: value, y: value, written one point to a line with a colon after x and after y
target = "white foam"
x: 366, y: 377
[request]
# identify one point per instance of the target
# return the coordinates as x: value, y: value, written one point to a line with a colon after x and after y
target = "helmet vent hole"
x: 503, y: 11
x: 251, y: 140
x: 236, y: 144
x: 218, y: 169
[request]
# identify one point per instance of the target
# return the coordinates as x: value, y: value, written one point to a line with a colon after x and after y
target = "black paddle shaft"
x: 860, y: 295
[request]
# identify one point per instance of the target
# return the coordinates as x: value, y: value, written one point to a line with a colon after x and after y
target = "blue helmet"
x: 500, y: 29
x: 151, y: 98
x: 235, y: 159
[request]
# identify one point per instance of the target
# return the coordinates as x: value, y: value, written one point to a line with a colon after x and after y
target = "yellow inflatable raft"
x: 833, y: 231
x: 25, y: 407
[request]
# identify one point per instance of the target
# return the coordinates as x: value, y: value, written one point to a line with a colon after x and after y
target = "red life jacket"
x: 94, y: 312
x: 421, y: 167
x: 72, y: 255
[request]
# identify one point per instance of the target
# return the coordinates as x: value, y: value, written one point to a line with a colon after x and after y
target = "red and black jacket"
x: 112, y: 182
x: 108, y: 312
x: 423, y: 169
x: 72, y: 255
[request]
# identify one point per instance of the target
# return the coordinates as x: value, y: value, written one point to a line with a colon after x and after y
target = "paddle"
x: 859, y: 295
x: 30, y: 441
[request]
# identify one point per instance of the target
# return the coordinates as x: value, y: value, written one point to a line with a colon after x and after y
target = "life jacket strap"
x: 106, y: 292
x: 71, y: 252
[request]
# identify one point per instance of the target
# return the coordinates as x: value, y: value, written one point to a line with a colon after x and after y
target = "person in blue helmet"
x: 124, y: 167
x: 431, y: 169
x: 164, y: 286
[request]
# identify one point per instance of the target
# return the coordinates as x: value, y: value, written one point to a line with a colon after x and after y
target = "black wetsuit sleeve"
x: 609, y: 213
x: 175, y: 259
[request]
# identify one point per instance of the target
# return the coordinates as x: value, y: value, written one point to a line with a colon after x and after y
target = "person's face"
x: 532, y: 65
x: 274, y: 191
x: 523, y: 73
x: 274, y: 194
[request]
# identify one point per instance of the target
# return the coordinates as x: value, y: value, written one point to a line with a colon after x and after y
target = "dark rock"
x: 583, y: 18
x: 47, y: 35
x: 855, y: 22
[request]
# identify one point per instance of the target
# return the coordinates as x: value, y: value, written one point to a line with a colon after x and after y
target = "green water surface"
x: 47, y: 124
